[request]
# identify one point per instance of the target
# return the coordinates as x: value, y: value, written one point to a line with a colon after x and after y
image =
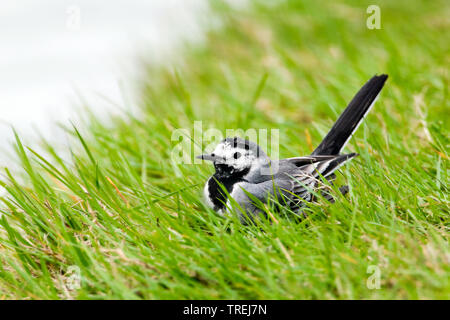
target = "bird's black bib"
x: 224, y: 177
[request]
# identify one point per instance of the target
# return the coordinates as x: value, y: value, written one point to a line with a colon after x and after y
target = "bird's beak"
x: 208, y: 157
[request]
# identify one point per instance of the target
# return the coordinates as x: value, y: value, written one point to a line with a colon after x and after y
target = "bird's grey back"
x: 282, y: 168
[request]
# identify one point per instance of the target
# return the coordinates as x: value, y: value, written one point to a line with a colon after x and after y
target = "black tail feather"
x: 352, y: 116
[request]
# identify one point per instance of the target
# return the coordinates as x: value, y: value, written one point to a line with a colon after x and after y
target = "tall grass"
x: 133, y: 224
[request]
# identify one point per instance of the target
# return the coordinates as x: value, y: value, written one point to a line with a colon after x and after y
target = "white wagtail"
x: 249, y: 176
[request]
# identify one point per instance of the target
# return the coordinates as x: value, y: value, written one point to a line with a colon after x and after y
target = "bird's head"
x: 234, y: 157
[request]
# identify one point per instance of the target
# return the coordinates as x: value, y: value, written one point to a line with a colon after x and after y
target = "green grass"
x: 115, y: 206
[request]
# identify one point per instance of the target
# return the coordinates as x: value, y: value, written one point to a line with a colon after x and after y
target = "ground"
x: 115, y: 216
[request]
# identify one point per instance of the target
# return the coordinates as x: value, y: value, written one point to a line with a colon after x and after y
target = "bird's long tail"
x: 352, y: 117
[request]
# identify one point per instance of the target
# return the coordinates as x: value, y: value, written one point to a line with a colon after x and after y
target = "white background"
x: 54, y: 52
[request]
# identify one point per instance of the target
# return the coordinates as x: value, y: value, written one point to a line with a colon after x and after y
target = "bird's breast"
x: 215, y: 195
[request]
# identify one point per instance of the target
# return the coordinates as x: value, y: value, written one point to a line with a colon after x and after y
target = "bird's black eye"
x: 237, y: 155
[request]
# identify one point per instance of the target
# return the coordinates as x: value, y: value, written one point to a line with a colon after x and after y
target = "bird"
x: 246, y: 178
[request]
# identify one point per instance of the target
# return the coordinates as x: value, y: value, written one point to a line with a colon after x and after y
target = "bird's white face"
x: 235, y: 157
x: 231, y: 160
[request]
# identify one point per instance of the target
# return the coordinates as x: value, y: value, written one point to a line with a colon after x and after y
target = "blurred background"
x: 58, y: 54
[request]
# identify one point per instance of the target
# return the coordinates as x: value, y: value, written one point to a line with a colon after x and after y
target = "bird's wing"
x: 245, y: 193
x: 308, y: 177
x: 301, y: 161
x: 324, y: 167
x: 293, y: 186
